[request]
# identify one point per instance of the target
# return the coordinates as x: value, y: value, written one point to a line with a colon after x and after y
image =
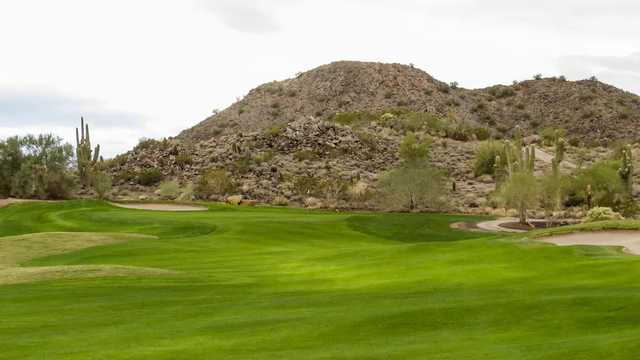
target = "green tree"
x: 415, y: 183
x: 414, y: 150
x: 520, y: 191
x: 11, y: 158
x: 44, y: 168
x: 101, y: 183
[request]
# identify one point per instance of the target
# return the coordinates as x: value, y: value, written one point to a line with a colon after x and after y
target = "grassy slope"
x: 281, y: 283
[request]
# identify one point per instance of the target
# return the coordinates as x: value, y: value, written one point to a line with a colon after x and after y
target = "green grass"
x: 266, y: 283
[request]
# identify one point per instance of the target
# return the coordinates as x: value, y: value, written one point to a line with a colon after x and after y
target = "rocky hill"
x: 593, y: 112
x: 339, y: 127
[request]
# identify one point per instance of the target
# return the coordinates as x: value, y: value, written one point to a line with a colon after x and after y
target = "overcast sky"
x: 150, y: 68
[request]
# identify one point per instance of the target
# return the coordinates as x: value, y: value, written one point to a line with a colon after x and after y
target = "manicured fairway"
x: 251, y: 283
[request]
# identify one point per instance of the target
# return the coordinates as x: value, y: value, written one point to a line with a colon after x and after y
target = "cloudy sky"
x: 150, y: 68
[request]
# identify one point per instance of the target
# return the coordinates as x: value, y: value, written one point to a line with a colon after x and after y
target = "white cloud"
x: 623, y: 71
x: 245, y: 16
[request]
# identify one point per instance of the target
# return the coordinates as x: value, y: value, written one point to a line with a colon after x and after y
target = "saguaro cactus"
x: 86, y: 157
x: 626, y: 168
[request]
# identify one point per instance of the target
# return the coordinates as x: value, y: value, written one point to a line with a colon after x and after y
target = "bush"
x: 187, y: 193
x: 145, y: 144
x: 306, y: 154
x: 183, y: 160
x: 551, y: 135
x: 306, y: 185
x: 58, y: 186
x: 101, y: 183
x: 213, y: 182
x: 606, y: 187
x: 265, y: 156
x: 601, y: 214
x: 485, y: 159
x: 481, y: 133
x: 149, y: 177
x: 169, y: 190
x: 280, y: 201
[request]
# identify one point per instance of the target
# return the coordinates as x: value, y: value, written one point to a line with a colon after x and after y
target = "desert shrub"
x: 214, y: 182
x: 537, y: 77
x: 335, y: 188
x: 275, y: 130
x: 187, y: 193
x: 485, y: 158
x: 145, y: 144
x: 458, y: 132
x: 481, y: 133
x: 551, y: 135
x: 58, y: 185
x: 574, y: 141
x: 101, y: 184
x: 353, y: 118
x: 453, y: 84
x: 306, y: 185
x: 367, y: 139
x: 413, y: 149
x: 265, y: 156
x: 601, y: 214
x: 599, y: 184
x: 443, y: 88
x: 242, y: 165
x: 183, y: 160
x: 149, y: 177
x: 280, y: 201
x: 125, y: 176
x: 169, y: 190
x: 305, y: 154
x: 501, y: 91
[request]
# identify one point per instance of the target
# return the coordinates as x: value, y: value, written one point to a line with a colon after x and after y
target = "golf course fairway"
x: 87, y: 280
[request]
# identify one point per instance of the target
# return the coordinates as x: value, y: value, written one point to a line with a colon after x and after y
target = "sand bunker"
x: 160, y: 207
x: 630, y: 240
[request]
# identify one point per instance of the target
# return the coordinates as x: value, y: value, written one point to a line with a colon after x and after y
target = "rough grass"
x: 15, y: 250
x: 261, y: 283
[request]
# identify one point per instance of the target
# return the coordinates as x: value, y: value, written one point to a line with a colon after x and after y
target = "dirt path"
x: 160, y: 207
x: 494, y: 225
x: 548, y: 158
x: 630, y: 240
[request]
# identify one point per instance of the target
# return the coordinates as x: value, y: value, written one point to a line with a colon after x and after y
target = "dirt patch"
x: 19, y: 249
x: 7, y: 202
x: 630, y: 240
x: 160, y: 207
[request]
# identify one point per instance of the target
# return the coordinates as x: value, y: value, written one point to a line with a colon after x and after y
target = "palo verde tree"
x: 415, y: 183
x: 520, y: 188
x: 86, y: 157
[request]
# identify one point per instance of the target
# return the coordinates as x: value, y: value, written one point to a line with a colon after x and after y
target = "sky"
x: 151, y: 68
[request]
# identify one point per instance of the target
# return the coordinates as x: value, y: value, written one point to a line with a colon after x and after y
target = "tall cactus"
x: 626, y: 168
x: 86, y: 157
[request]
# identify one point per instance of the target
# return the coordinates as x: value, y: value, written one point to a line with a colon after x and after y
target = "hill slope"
x: 343, y: 122
x: 590, y: 110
